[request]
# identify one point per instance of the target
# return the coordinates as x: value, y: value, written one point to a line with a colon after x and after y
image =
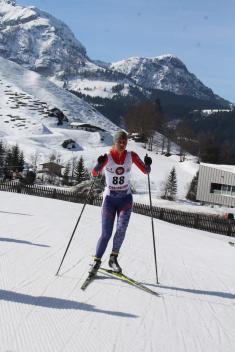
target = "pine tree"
x: 171, y: 186
x: 192, y: 192
x: 21, y: 162
x: 66, y: 174
x: 8, y: 158
x: 15, y: 157
x: 29, y: 179
x: 2, y: 155
x: 81, y: 174
x: 87, y: 174
x: 8, y: 164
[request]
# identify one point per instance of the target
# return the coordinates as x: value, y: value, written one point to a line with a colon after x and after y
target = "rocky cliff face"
x: 40, y: 42
x: 164, y: 72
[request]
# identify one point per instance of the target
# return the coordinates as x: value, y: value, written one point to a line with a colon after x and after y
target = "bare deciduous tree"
x: 144, y: 119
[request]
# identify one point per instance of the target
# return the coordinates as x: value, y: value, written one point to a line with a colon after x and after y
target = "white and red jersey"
x: 117, y: 169
x: 117, y: 176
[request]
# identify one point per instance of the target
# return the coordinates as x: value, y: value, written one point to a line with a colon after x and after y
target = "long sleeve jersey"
x: 119, y: 159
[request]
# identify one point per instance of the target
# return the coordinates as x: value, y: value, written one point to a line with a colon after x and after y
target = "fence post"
x: 54, y: 194
x: 196, y: 221
x: 19, y: 188
x: 161, y: 214
x: 229, y: 232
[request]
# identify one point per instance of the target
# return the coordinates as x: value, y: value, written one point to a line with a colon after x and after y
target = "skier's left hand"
x: 147, y: 160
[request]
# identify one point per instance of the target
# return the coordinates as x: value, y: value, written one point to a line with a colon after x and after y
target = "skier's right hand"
x: 101, y: 159
x: 99, y: 166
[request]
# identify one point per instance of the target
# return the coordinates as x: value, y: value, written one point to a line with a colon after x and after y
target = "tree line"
x: 12, y: 164
x: 210, y: 138
x: 11, y: 160
x: 75, y: 172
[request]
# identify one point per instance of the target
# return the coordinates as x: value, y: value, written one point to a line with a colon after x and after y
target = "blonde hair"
x: 120, y: 135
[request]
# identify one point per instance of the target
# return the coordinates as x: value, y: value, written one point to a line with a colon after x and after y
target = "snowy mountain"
x: 41, y: 312
x: 164, y: 72
x: 46, y: 45
x: 40, y: 42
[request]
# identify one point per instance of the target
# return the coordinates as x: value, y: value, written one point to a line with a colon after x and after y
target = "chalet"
x: 216, y: 184
x: 51, y: 168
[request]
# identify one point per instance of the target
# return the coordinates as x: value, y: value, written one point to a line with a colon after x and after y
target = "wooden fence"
x: 211, y: 223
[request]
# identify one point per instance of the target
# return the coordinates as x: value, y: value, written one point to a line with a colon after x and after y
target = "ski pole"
x: 74, y: 230
x: 151, y: 212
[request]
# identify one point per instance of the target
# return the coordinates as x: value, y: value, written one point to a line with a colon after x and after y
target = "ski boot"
x: 113, y: 263
x: 95, y: 266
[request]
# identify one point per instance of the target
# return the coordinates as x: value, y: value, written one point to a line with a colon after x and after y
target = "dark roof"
x: 51, y: 163
x: 86, y: 125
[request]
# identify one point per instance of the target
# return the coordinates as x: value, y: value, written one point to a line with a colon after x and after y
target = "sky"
x: 200, y: 33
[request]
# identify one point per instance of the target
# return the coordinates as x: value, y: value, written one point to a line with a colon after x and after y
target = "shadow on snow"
x: 5, y: 239
x: 8, y: 212
x: 226, y: 295
x: 57, y: 303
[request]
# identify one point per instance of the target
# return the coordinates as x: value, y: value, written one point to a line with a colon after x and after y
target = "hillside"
x: 115, y: 105
x: 26, y: 102
x: 41, y: 312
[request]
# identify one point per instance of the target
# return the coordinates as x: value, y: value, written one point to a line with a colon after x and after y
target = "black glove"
x: 101, y: 159
x: 147, y: 160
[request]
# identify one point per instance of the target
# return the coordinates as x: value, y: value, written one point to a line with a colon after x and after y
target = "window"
x: 215, y: 188
x: 224, y: 189
x: 233, y: 190
x: 218, y: 188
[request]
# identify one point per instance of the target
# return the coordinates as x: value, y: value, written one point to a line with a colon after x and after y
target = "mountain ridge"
x: 46, y: 45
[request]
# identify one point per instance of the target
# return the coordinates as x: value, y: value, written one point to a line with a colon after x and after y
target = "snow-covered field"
x: 93, y: 88
x: 26, y: 95
x: 42, y: 312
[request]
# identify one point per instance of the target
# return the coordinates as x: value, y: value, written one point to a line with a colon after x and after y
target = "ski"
x: 129, y: 281
x: 88, y: 280
x: 232, y: 243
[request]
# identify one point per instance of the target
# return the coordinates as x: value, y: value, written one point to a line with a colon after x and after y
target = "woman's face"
x: 120, y: 145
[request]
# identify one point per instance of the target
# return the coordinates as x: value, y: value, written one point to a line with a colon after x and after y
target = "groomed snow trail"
x: 44, y: 313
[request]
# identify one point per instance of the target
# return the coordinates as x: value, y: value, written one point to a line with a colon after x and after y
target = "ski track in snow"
x: 42, y: 312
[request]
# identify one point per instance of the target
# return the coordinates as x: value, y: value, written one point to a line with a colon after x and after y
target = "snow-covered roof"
x: 228, y: 168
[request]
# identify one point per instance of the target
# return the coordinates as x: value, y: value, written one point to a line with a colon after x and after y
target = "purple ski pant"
x: 112, y: 206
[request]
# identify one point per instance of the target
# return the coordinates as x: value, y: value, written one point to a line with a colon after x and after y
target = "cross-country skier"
x: 117, y: 197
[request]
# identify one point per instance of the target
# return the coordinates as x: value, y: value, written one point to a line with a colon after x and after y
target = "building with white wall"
x: 216, y: 184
